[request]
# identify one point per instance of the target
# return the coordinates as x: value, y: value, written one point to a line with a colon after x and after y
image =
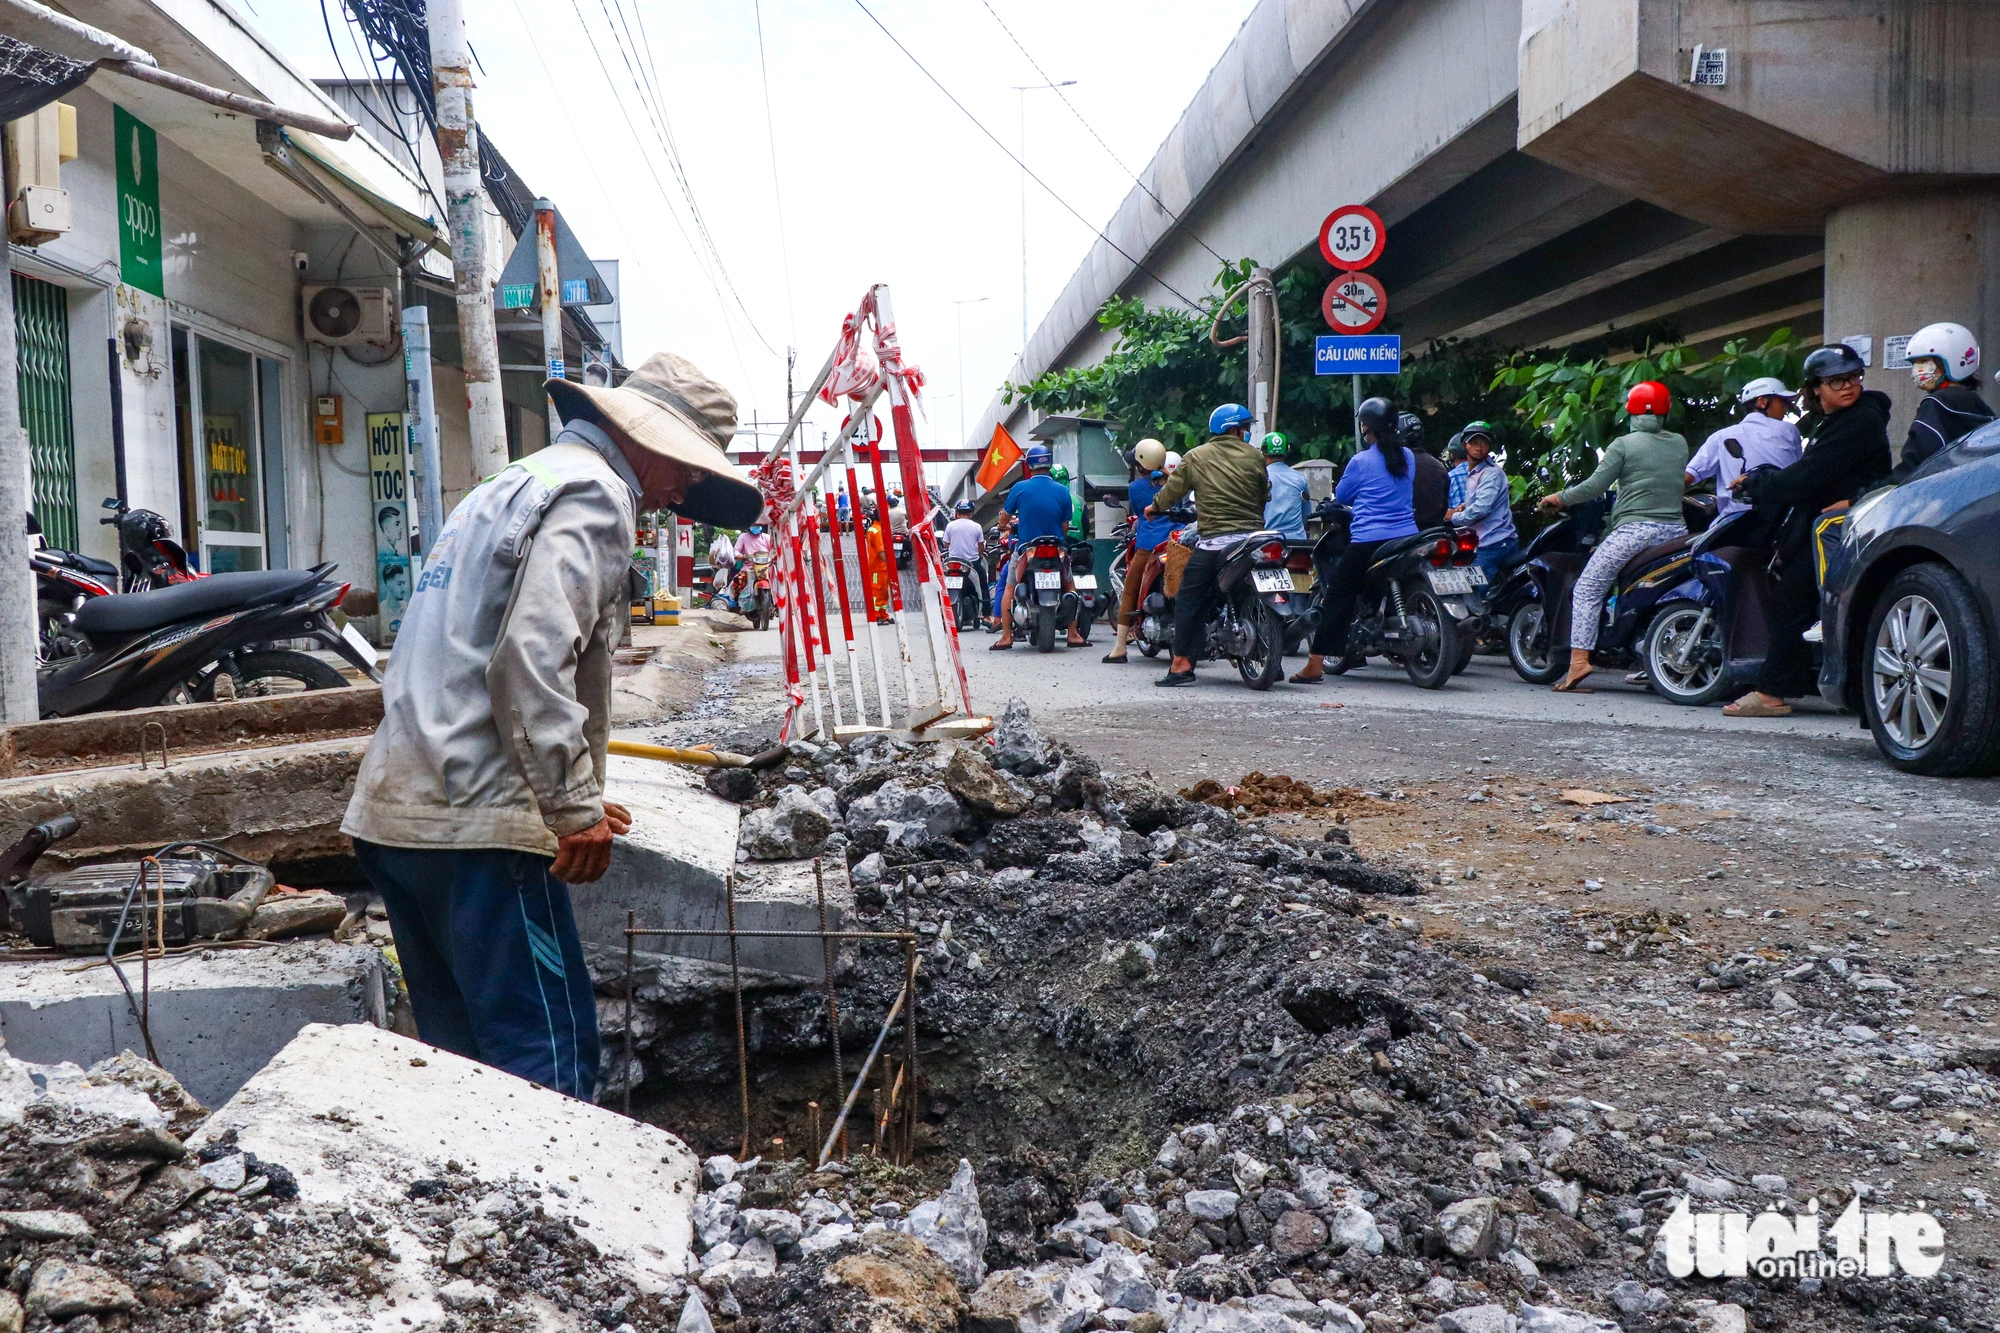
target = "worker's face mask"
x: 1928, y: 372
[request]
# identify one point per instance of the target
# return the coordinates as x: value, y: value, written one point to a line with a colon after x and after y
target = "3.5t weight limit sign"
x: 1352, y: 237
x: 1354, y: 303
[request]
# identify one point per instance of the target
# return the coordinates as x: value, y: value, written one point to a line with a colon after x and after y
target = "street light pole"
x: 958, y: 310
x: 1022, y: 90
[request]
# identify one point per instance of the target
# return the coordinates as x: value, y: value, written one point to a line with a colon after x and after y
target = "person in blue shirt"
x: 1455, y: 453
x: 1285, y: 511
x: 1149, y: 460
x: 1040, y: 507
x: 1488, y: 504
x: 1379, y: 484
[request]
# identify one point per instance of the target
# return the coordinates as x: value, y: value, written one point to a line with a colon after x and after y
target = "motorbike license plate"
x: 1456, y: 580
x: 1271, y: 580
x: 1048, y: 578
x: 954, y: 581
x: 1086, y: 582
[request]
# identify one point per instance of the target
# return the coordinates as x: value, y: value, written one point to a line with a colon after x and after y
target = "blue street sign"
x: 1367, y: 354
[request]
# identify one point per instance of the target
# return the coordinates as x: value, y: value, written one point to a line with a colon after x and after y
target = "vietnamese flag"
x: 1001, y: 455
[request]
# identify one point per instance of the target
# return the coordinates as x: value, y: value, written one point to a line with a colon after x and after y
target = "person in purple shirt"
x: 1379, y: 485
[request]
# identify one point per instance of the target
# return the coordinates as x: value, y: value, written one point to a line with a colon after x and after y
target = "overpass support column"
x: 1899, y: 262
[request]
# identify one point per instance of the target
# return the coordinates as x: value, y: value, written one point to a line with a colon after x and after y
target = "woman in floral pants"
x: 1648, y: 467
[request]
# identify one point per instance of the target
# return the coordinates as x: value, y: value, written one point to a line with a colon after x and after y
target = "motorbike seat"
x: 97, y: 569
x: 127, y: 613
x: 1514, y: 561
x: 1648, y: 555
x: 1396, y: 546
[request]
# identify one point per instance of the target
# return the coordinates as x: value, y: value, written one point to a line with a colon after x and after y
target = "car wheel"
x: 1929, y: 688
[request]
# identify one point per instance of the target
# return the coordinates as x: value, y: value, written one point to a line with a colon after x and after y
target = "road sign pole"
x: 1357, y: 414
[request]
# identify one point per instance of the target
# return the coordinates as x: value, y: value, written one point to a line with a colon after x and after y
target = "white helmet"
x: 1953, y: 344
x: 1767, y: 386
x: 1148, y: 454
x: 1173, y: 461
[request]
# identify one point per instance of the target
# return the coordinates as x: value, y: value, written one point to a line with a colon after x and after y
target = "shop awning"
x: 393, y: 215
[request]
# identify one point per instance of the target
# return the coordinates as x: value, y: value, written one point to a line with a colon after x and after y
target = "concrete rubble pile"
x: 1194, y: 1076
x: 123, y: 1203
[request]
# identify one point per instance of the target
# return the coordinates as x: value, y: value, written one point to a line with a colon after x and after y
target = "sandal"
x: 1303, y: 679
x: 1751, y: 706
x: 1573, y: 685
x: 1120, y: 659
x: 999, y: 646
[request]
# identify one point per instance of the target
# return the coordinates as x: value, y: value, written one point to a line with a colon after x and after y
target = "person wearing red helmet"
x: 1648, y: 465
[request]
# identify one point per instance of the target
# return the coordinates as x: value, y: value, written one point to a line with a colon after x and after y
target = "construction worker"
x: 481, y: 798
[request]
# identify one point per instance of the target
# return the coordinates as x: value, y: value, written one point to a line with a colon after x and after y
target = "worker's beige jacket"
x: 497, y: 704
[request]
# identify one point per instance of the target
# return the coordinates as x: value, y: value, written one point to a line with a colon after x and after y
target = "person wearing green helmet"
x: 1073, y: 531
x: 1285, y: 511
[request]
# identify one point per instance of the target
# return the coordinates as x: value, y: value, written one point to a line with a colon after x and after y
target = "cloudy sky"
x: 881, y: 177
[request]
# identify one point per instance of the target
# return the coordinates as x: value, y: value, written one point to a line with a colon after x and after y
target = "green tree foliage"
x: 1573, y: 408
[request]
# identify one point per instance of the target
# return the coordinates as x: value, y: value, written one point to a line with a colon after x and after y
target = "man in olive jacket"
x: 1230, y: 486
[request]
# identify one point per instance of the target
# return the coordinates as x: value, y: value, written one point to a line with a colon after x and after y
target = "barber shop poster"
x: 389, y: 515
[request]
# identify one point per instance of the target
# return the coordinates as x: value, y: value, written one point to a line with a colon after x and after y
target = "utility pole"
x: 551, y: 294
x: 1262, y: 300
x: 458, y: 148
x: 1022, y: 91
x: 17, y: 584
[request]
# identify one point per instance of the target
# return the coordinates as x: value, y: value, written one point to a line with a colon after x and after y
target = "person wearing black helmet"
x: 1848, y: 453
x: 1430, y: 491
x: 1377, y: 484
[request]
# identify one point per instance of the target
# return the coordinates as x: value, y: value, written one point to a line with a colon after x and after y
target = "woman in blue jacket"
x: 1379, y: 485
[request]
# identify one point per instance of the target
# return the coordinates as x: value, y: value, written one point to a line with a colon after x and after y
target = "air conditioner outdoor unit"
x: 342, y: 316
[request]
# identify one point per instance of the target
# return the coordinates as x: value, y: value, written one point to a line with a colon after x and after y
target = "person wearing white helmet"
x: 1944, y: 361
x: 1149, y: 459
x: 1763, y: 433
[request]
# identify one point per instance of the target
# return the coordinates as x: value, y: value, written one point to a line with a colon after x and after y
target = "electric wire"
x: 1109, y: 152
x: 728, y: 325
x: 777, y: 194
x: 393, y: 126
x: 980, y: 125
x: 663, y: 131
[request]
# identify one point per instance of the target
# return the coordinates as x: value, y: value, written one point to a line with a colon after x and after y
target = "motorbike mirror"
x: 1735, y: 449
x: 110, y: 502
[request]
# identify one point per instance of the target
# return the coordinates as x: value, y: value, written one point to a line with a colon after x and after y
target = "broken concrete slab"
x: 359, y: 1115
x: 217, y: 1017
x: 673, y: 871
x: 278, y: 803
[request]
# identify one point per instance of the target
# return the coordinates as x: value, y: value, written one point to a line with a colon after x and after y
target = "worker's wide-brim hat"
x: 670, y: 408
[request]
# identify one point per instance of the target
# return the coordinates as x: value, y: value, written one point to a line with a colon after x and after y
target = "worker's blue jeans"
x: 490, y: 953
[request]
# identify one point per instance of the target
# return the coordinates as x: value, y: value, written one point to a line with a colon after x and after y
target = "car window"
x: 1985, y: 440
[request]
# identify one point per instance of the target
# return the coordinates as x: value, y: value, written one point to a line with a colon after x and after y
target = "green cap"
x: 1276, y: 444
x: 1473, y: 428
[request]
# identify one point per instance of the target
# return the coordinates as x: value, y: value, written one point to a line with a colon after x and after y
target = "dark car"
x: 1910, y: 612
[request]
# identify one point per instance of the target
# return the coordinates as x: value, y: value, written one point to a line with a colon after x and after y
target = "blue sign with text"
x: 1367, y: 354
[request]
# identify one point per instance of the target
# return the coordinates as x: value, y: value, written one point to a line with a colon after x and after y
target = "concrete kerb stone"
x: 280, y: 803
x: 216, y: 1019
x: 359, y: 1114
x: 672, y: 870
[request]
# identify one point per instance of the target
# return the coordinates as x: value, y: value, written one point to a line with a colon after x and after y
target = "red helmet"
x: 1648, y: 396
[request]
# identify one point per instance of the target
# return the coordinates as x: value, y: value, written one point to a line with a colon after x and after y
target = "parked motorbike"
x: 1412, y: 596
x: 181, y: 644
x: 1538, y: 636
x: 1511, y: 613
x: 1041, y: 607
x: 1254, y: 604
x: 64, y: 580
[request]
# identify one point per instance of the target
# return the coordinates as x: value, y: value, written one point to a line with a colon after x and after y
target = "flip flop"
x: 1748, y: 707
x: 997, y: 647
x: 1120, y: 659
x: 1567, y: 686
x: 1303, y: 679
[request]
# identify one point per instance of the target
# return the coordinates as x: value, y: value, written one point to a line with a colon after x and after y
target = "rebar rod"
x: 861, y: 1078
x: 742, y: 1047
x: 785, y: 934
x: 630, y: 918
x: 832, y: 1004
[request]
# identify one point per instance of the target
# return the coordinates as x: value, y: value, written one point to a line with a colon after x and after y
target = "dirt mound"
x: 1268, y: 794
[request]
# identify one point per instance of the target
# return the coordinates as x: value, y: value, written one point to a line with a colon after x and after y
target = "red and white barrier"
x: 842, y: 563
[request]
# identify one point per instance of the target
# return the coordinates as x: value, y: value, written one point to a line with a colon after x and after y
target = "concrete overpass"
x: 1549, y: 172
